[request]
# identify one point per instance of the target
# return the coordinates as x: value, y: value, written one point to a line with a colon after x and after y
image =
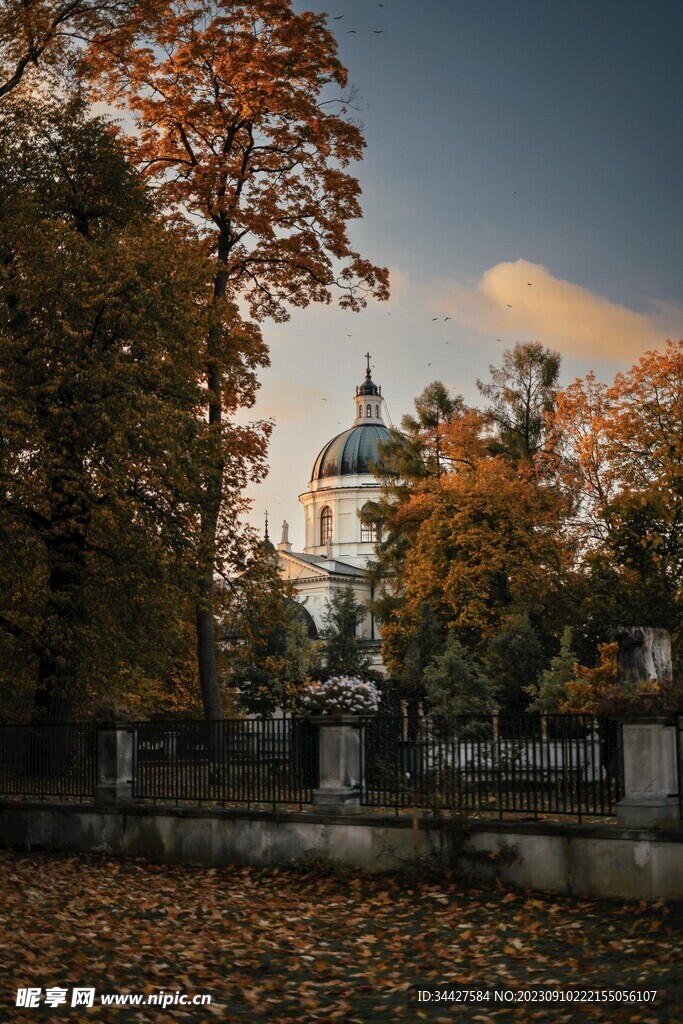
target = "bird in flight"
x: 377, y: 31
x: 434, y: 318
x: 509, y: 306
x: 352, y: 32
x: 446, y: 318
x: 338, y: 17
x: 323, y: 399
x: 429, y: 364
x: 530, y: 283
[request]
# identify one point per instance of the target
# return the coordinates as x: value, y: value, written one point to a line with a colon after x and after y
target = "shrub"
x: 341, y: 695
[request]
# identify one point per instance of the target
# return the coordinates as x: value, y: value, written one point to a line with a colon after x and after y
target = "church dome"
x: 351, y: 452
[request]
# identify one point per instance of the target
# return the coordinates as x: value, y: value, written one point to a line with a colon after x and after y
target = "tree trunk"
x: 206, y: 639
x: 210, y: 510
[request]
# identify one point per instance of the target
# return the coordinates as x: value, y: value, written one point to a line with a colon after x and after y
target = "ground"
x: 302, y: 944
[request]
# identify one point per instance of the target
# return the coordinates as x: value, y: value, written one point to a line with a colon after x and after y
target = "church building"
x: 338, y: 545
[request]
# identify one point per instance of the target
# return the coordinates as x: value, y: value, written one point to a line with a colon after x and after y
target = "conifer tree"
x: 551, y: 690
x: 522, y: 394
x: 342, y: 651
x: 457, y: 687
x: 267, y: 638
x: 515, y: 659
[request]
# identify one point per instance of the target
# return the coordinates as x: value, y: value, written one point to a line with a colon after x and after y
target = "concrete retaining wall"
x: 597, y: 860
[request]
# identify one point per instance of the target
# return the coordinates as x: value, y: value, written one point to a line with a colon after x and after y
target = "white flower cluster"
x: 341, y: 695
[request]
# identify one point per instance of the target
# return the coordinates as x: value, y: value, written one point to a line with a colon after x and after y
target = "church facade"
x: 338, y: 546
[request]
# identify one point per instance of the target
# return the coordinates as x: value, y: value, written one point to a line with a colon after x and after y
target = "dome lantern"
x: 352, y: 452
x: 368, y: 399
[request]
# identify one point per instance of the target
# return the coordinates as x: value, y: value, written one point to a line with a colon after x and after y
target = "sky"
x: 522, y: 177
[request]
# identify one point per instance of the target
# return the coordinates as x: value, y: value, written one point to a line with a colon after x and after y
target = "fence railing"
x: 243, y: 761
x: 514, y: 765
x: 508, y: 764
x: 48, y: 761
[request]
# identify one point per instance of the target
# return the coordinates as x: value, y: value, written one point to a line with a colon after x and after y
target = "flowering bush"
x: 341, y: 695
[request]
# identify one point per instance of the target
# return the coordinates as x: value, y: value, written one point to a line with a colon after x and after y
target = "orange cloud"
x: 522, y: 300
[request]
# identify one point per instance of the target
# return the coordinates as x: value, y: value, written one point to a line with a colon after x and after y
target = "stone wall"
x: 593, y: 860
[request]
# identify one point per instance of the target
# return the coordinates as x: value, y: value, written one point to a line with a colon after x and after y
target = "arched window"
x: 369, y: 532
x: 326, y: 525
x: 368, y: 411
x: 360, y: 411
x: 376, y: 412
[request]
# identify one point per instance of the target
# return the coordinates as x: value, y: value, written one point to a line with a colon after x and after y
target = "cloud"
x: 522, y: 300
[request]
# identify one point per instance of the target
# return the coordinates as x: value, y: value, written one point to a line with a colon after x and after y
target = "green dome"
x: 351, y: 452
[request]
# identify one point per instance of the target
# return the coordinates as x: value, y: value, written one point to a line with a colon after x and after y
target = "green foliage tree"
x: 420, y: 644
x: 522, y: 394
x: 551, y: 689
x: 515, y: 660
x: 268, y: 638
x: 342, y: 651
x: 417, y: 450
x: 102, y: 308
x: 457, y: 686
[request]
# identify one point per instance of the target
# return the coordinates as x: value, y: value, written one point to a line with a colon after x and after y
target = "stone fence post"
x: 114, y: 764
x: 339, y: 760
x: 650, y: 772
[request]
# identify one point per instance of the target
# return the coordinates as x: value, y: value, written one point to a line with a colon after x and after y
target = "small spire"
x: 266, y: 537
x: 367, y: 369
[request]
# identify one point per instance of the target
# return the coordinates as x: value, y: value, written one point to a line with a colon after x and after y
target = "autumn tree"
x: 100, y: 402
x: 576, y: 454
x: 43, y: 41
x: 238, y: 120
x: 618, y: 453
x: 521, y: 394
x: 412, y: 457
x: 589, y: 687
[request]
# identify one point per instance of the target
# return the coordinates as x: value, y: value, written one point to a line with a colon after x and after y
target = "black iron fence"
x: 48, y: 761
x: 515, y: 765
x: 508, y: 764
x: 231, y: 761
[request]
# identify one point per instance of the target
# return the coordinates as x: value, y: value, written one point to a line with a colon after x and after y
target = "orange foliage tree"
x: 238, y: 123
x: 485, y: 541
x: 618, y: 451
x: 592, y: 686
x: 44, y: 38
